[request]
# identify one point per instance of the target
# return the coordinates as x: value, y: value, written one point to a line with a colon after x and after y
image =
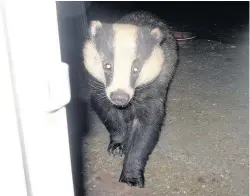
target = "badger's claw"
x: 115, y: 149
x: 132, y: 179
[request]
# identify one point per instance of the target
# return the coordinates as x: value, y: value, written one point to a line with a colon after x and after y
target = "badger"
x: 130, y: 64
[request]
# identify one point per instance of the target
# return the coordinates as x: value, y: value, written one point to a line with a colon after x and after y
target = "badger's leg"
x: 115, y: 146
x: 146, y: 131
x: 117, y: 129
x: 115, y: 124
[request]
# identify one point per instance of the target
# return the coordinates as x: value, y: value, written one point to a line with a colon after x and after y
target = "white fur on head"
x: 93, y: 61
x: 152, y: 67
x: 94, y: 26
x: 157, y: 34
x: 124, y: 55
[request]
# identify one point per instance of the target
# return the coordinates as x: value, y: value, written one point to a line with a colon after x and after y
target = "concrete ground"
x: 203, y: 149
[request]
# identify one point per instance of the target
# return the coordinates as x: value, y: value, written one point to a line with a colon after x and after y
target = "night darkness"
x: 211, y: 20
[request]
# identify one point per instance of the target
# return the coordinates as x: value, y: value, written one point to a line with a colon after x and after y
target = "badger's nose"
x: 119, y: 97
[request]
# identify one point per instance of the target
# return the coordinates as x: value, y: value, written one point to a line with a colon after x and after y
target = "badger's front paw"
x: 115, y: 149
x: 132, y: 178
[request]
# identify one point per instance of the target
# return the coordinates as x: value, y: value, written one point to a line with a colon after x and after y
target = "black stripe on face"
x: 145, y: 45
x: 104, y: 40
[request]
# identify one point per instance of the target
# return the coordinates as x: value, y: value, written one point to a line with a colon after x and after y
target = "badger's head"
x: 123, y: 57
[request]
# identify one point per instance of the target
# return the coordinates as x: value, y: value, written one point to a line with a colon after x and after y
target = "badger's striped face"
x: 123, y: 57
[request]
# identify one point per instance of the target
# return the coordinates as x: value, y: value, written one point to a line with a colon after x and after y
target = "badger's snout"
x: 119, y: 98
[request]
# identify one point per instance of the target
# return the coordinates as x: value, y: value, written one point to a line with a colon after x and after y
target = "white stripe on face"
x: 93, y: 62
x: 152, y: 67
x: 124, y: 55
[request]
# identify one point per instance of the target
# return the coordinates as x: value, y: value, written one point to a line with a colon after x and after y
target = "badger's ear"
x: 157, y: 35
x: 95, y: 25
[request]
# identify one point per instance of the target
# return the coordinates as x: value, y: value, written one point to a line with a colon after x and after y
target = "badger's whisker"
x: 103, y: 97
x: 138, y: 98
x: 98, y: 83
x: 141, y: 105
x: 96, y: 87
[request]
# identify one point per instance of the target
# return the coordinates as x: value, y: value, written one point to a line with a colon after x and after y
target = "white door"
x: 34, y: 88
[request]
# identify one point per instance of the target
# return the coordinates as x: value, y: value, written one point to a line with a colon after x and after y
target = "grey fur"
x: 103, y: 39
x: 145, y: 45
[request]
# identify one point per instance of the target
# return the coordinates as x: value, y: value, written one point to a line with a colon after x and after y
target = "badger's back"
x: 147, y: 19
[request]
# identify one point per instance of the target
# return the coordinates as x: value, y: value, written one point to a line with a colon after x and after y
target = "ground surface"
x: 203, y: 149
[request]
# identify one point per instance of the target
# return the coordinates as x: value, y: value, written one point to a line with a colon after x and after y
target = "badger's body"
x: 130, y: 64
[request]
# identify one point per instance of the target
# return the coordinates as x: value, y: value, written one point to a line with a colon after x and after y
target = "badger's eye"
x: 135, y: 69
x: 107, y: 66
